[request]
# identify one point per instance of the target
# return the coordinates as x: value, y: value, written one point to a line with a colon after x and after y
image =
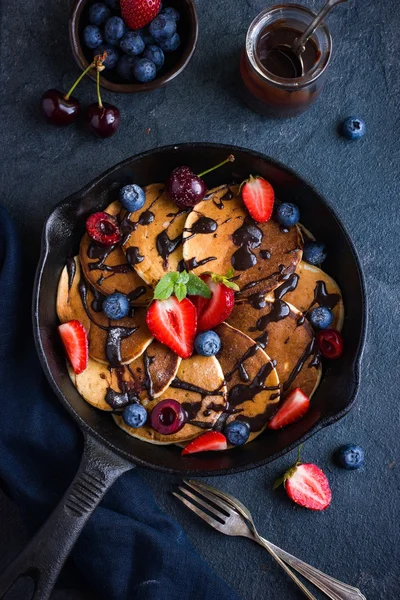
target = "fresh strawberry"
x: 258, y: 196
x: 211, y: 312
x: 138, y: 13
x: 74, y: 337
x: 212, y: 440
x: 309, y: 487
x: 103, y: 228
x: 295, y: 406
x: 173, y: 323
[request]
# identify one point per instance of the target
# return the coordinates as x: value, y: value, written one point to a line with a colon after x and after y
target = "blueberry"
x: 171, y: 13
x: 353, y: 128
x: 134, y: 415
x: 172, y: 44
x: 114, y: 4
x: 92, y: 37
x: 237, y: 432
x: 314, y: 253
x: 99, y: 13
x: 112, y: 56
x: 321, y: 317
x: 114, y: 29
x: 132, y: 43
x: 350, y: 456
x: 162, y: 28
x: 287, y: 214
x: 155, y: 54
x: 116, y: 306
x: 145, y: 35
x: 132, y: 197
x: 125, y: 66
x: 207, y: 343
x: 144, y: 70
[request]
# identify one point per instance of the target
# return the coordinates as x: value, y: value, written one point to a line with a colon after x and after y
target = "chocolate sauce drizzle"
x: 310, y: 350
x: 251, y: 284
x: 226, y: 197
x: 322, y: 298
x: 279, y: 310
x: 248, y: 237
x: 189, y: 387
x: 203, y: 225
x: 147, y: 381
x: 265, y: 254
x: 242, y: 393
x: 165, y: 246
x: 71, y: 270
x: 193, y: 263
x: 289, y: 285
x: 133, y: 256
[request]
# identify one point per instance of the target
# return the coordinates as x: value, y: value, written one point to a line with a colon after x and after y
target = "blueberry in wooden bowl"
x: 141, y: 59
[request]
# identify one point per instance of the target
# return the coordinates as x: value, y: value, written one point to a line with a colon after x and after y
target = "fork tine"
x: 209, y: 493
x: 200, y: 513
x: 206, y: 505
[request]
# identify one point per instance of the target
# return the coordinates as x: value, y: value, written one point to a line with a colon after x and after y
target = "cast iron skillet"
x: 109, y: 451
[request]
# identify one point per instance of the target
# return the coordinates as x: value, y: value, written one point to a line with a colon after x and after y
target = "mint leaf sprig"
x: 181, y: 285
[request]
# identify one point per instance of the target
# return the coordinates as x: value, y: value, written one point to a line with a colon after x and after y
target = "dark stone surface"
x: 356, y: 539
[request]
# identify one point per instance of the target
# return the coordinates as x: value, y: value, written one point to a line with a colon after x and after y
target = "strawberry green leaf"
x: 197, y: 287
x: 180, y: 291
x: 290, y: 472
x: 165, y: 286
x: 278, y: 482
x: 230, y: 273
x: 222, y: 279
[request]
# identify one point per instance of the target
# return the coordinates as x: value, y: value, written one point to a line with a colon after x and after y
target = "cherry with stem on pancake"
x: 187, y: 189
x: 62, y: 109
x: 103, y: 119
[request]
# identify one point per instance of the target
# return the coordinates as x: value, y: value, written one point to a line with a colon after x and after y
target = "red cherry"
x: 330, y: 343
x: 58, y: 109
x: 103, y: 119
x: 103, y: 228
x: 167, y: 417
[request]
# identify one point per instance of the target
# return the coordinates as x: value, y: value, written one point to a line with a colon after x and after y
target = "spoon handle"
x: 298, y: 46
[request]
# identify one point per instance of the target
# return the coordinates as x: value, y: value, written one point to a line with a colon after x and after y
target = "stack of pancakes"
x: 268, y: 346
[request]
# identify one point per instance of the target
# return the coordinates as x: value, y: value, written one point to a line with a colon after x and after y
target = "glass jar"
x: 277, y: 87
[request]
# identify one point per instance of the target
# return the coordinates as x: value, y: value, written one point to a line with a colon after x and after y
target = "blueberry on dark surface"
x: 207, y: 343
x: 134, y: 415
x: 112, y: 56
x: 116, y: 306
x: 171, y: 13
x: 125, y: 66
x: 103, y: 119
x: 114, y: 4
x: 114, y: 29
x: 155, y: 54
x: 162, y: 28
x: 144, y: 70
x: 172, y: 44
x: 237, y: 432
x: 92, y: 37
x: 287, y: 214
x: 132, y: 197
x: 353, y: 128
x: 98, y: 13
x: 132, y: 43
x: 350, y: 456
x: 57, y: 109
x: 321, y: 317
x: 314, y: 253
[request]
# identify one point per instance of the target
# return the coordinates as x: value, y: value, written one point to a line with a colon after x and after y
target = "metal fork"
x: 235, y: 519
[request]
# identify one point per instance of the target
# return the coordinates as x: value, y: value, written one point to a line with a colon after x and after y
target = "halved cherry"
x: 103, y: 228
x: 167, y: 417
x: 330, y: 343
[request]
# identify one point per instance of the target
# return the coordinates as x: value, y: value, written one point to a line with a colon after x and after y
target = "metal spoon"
x: 293, y: 52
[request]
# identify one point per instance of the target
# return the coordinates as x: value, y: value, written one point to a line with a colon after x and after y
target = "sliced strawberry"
x: 309, y: 487
x: 212, y: 440
x: 74, y: 337
x: 295, y: 406
x: 173, y: 323
x: 213, y: 311
x: 103, y: 228
x: 258, y: 196
x: 138, y: 13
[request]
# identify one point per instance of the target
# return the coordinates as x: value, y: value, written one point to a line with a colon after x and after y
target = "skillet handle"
x: 45, y: 555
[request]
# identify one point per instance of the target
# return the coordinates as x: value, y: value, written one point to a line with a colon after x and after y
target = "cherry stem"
x: 98, y: 89
x: 81, y: 76
x: 230, y: 158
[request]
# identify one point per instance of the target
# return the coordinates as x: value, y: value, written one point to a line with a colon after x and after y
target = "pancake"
x: 219, y: 233
x: 68, y: 303
x: 203, y: 408
x: 316, y: 288
x: 108, y: 271
x: 251, y: 379
x: 157, y: 236
x: 285, y: 334
x: 146, y: 377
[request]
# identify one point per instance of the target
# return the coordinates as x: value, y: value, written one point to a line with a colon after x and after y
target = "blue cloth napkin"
x: 129, y: 549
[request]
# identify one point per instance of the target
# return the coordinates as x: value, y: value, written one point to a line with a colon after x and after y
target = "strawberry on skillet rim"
x: 212, y: 440
x: 74, y: 338
x: 258, y: 196
x: 138, y: 13
x: 294, y: 407
x: 306, y: 485
x: 213, y: 311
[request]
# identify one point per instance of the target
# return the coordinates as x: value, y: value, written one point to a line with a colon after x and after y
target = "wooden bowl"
x: 174, y: 64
